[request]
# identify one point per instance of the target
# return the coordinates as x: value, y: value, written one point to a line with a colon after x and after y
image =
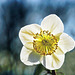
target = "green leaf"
x: 38, y: 69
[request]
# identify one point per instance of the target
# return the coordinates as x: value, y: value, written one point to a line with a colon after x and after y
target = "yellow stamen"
x: 45, y: 43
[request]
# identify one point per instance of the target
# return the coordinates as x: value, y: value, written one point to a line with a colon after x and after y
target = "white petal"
x: 26, y: 33
x: 52, y: 23
x: 28, y: 57
x: 66, y: 43
x: 59, y: 51
x: 58, y: 36
x: 29, y: 45
x: 53, y: 61
x: 58, y: 60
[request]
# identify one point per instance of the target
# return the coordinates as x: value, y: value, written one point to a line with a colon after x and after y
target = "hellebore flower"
x: 46, y: 41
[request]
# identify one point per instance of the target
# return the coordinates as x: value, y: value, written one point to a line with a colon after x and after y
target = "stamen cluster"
x: 45, y: 43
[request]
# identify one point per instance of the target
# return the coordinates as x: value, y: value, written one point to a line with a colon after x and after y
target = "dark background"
x: 15, y: 14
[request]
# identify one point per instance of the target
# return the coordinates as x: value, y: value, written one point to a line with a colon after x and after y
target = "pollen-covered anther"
x: 45, y: 43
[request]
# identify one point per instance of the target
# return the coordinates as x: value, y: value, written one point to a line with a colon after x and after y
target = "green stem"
x: 48, y: 72
x: 53, y: 72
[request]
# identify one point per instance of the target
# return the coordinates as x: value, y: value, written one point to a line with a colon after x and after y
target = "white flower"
x: 45, y: 44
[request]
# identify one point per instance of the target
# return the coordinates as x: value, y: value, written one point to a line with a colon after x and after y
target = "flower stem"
x: 53, y: 72
x: 48, y: 72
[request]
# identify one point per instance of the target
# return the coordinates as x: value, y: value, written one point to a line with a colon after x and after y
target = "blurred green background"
x: 15, y: 14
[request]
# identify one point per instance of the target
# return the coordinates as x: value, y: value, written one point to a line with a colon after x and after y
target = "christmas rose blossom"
x: 46, y: 41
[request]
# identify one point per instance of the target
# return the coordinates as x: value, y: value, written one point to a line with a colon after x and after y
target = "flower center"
x: 45, y: 43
